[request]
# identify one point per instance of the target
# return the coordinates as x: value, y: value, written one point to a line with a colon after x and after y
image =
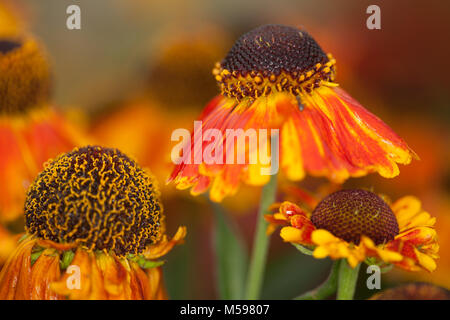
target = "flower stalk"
x: 348, y: 277
x: 255, y: 274
x: 327, y: 288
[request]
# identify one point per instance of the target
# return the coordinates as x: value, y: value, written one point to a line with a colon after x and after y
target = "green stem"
x: 347, y: 281
x: 231, y: 257
x: 326, y: 289
x: 260, y: 242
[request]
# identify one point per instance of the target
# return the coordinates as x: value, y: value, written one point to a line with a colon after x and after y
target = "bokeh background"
x: 138, y: 68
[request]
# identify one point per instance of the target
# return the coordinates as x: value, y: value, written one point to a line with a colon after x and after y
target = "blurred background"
x: 139, y: 68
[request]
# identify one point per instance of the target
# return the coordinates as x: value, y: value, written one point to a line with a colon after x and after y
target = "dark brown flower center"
x: 414, y: 291
x: 272, y: 49
x: 24, y: 76
x: 8, y: 45
x: 349, y: 214
x: 97, y: 198
x: 273, y: 57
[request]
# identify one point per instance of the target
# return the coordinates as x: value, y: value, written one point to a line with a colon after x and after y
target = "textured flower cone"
x: 31, y: 132
x: 357, y: 225
x: 277, y: 77
x: 95, y: 230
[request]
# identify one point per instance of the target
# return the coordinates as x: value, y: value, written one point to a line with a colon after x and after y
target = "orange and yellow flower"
x: 277, y: 77
x: 31, y: 131
x: 95, y: 229
x: 357, y: 225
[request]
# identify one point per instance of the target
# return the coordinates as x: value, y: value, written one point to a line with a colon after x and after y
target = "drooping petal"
x: 157, y: 290
x: 409, y: 214
x: 323, y: 133
x: 329, y: 245
x: 45, y: 271
x: 419, y: 248
x: 8, y: 242
x: 83, y: 281
x: 116, y: 277
x: 348, y: 139
x: 15, y: 274
x: 165, y: 245
x: 292, y: 162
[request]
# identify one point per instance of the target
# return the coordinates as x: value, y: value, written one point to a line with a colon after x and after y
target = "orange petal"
x: 15, y: 274
x: 44, y: 272
x: 164, y: 246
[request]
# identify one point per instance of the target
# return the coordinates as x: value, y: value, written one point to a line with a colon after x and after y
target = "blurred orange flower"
x: 177, y: 83
x: 31, y: 131
x: 8, y: 243
x: 180, y: 67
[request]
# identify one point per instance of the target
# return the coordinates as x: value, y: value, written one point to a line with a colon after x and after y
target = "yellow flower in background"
x: 278, y: 77
x: 180, y: 67
x: 31, y: 131
x: 414, y: 291
x: 95, y: 210
x: 358, y: 224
